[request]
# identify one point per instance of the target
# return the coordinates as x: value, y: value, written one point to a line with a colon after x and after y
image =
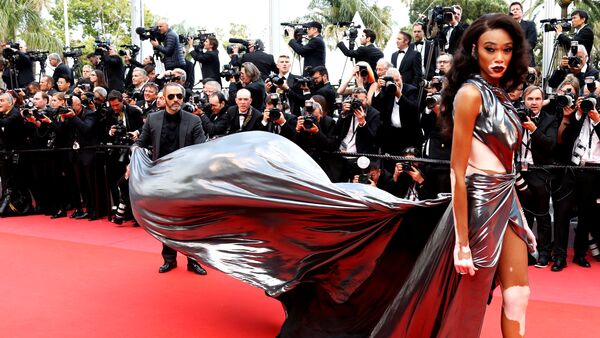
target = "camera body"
x: 432, y: 100
x: 589, y: 103
x: 304, y: 80
x: 229, y: 72
x: 550, y: 24
x: 133, y: 50
x: 524, y: 114
x: 355, y: 104
x: 101, y: 46
x: 152, y: 33
x: 39, y: 56
x: 276, y: 80
x: 73, y: 52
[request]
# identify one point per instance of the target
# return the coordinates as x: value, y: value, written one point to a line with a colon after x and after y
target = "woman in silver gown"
x: 349, y: 260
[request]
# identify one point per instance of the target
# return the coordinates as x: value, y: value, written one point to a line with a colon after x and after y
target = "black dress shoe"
x: 60, y: 213
x: 167, y: 267
x: 581, y: 261
x: 542, y: 262
x: 77, y: 214
x: 83, y: 215
x: 559, y: 264
x: 196, y: 268
x: 92, y: 217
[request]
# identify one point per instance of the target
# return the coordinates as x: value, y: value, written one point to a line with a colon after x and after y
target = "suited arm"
x: 86, y: 124
x: 198, y: 132
x: 348, y: 52
x: 304, y: 50
x: 532, y: 35
x: 546, y: 138
x: 369, y: 130
x: 144, y: 140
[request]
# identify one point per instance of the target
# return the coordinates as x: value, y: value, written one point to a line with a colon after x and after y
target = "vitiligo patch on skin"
x: 516, y: 311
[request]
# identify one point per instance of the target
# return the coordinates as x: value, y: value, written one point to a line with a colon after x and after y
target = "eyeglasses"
x: 172, y: 96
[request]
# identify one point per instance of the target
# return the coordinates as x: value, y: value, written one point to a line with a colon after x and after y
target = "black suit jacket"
x: 24, y: 68
x: 455, y: 36
x: 257, y: 92
x: 531, y: 37
x: 559, y: 75
x: 585, y: 37
x: 86, y: 134
x: 431, y: 53
x: 369, y: 54
x: 211, y: 66
x: 313, y: 52
x: 571, y: 134
x: 233, y: 118
x: 288, y: 129
x: 410, y: 67
x: 190, y: 131
x: 366, y: 136
x: 543, y: 139
x: 215, y: 124
x: 263, y: 61
x: 114, y: 70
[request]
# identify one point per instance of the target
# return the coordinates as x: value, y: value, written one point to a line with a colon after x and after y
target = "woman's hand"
x: 531, y: 241
x: 463, y: 261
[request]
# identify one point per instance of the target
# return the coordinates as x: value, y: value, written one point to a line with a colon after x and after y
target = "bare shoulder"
x: 467, y: 102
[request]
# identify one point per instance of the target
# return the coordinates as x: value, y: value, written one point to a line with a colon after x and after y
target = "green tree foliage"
x: 21, y: 20
x: 328, y: 12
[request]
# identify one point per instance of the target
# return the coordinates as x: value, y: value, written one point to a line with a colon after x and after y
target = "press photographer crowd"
x: 65, y: 139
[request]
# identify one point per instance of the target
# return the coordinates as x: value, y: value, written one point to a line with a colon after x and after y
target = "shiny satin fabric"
x: 258, y: 208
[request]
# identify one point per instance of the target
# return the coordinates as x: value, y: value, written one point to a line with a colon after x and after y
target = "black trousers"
x: 563, y: 201
x: 587, y: 187
x: 540, y: 183
x: 170, y: 255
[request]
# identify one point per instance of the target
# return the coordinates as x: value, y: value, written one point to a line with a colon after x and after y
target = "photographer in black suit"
x: 60, y: 69
x: 576, y: 65
x: 275, y: 120
x: 21, y: 72
x: 407, y: 60
x: 537, y: 148
x: 314, y: 50
x: 215, y: 122
x: 168, y: 130
x: 249, y: 79
x: 287, y: 81
x: 112, y: 66
x: 256, y: 54
x: 516, y: 11
x: 208, y: 56
x: 583, y: 32
x: 170, y: 47
x: 454, y: 30
x: 366, y: 51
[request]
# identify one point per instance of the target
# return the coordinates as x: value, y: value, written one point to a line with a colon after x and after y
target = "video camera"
x: 351, y: 33
x: 229, y: 72
x: 152, y: 33
x: 243, y: 45
x: 304, y: 80
x: 300, y: 30
x: 435, y: 20
x: 8, y: 52
x: 73, y: 52
x: 39, y: 56
x: 133, y: 50
x: 198, y: 39
x: 101, y: 46
x: 550, y: 24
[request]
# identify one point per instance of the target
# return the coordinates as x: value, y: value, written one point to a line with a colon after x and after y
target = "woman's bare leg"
x: 514, y: 281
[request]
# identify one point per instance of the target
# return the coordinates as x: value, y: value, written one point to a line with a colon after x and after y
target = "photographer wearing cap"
x: 584, y: 34
x: 537, y: 148
x: 576, y: 64
x: 169, y: 47
x: 366, y: 51
x: 256, y: 54
x: 516, y: 11
x: 314, y: 50
x: 208, y: 57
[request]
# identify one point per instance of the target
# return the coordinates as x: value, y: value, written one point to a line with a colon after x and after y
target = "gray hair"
x: 251, y: 71
x: 54, y: 56
x: 214, y: 84
x: 100, y: 91
x: 385, y: 63
x: 8, y: 98
x: 140, y: 70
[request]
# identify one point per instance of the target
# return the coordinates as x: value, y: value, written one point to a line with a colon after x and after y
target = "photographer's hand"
x: 112, y: 131
x: 361, y: 116
x: 416, y: 174
x: 397, y: 172
x: 355, y: 179
x: 594, y: 116
x: 134, y: 135
x: 529, y: 125
x: 300, y: 124
x: 190, y: 42
x: 564, y: 62
x: 265, y: 118
x: 154, y: 43
x: 380, y: 83
x: 268, y: 85
x: 558, y: 29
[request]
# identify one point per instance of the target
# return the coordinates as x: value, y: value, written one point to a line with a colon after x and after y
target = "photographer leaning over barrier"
x: 313, y: 51
x: 577, y: 64
x: 537, y: 148
x: 265, y: 62
x: 170, y: 48
x: 584, y: 34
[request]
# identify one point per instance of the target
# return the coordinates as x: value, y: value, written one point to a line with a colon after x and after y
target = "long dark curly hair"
x: 466, y: 65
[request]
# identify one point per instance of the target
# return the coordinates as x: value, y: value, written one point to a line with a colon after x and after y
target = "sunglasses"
x: 172, y: 96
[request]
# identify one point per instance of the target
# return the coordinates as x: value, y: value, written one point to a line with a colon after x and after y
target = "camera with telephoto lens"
x: 152, y: 33
x: 121, y: 135
x: 229, y: 72
x: 198, y: 39
x: 242, y: 44
x: 73, y: 52
x: 8, y: 51
x: 435, y: 83
x: 274, y: 113
x: 589, y: 103
x: 27, y: 108
x: 561, y: 101
x: 574, y: 60
x: 390, y: 85
x: 550, y: 24
x: 432, y: 100
x: 133, y: 50
x: 304, y: 80
x: 531, y: 78
x: 355, y: 104
x: 300, y: 30
x: 351, y: 33
x: 276, y: 80
x: 38, y: 56
x: 590, y: 83
x: 524, y: 114
x: 309, y: 120
x: 241, y: 48
x: 101, y: 46
x: 363, y: 71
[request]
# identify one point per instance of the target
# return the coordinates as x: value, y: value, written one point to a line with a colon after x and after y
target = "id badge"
x: 525, y: 166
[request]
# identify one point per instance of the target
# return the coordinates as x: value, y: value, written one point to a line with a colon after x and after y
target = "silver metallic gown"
x: 345, y: 260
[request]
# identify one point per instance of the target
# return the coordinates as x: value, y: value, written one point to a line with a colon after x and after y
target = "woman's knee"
x: 515, y: 299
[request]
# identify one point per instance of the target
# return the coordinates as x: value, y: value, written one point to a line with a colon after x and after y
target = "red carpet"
x: 67, y: 278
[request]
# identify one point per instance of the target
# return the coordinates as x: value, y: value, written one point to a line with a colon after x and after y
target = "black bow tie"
x: 401, y: 51
x: 418, y: 43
